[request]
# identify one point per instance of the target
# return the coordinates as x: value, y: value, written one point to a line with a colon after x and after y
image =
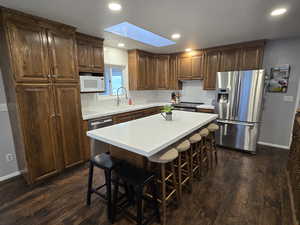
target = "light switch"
x: 288, y: 98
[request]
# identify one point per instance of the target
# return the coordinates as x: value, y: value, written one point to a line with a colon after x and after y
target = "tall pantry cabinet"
x: 40, y: 74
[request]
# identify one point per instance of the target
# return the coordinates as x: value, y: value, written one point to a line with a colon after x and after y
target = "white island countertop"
x: 149, y: 135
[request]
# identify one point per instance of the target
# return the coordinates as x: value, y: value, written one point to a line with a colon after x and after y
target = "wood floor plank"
x: 242, y: 190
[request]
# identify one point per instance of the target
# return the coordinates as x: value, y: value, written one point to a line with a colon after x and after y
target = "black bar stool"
x: 137, y: 180
x: 107, y: 163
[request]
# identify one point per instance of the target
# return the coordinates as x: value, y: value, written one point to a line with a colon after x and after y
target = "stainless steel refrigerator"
x: 239, y: 102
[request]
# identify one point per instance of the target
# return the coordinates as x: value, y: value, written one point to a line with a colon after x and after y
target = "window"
x: 113, y: 79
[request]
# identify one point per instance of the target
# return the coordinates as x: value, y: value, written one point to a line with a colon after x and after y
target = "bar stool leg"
x: 90, y: 184
x: 175, y: 183
x: 153, y: 187
x: 163, y: 200
x: 139, y: 205
x: 179, y: 175
x: 108, y: 194
x: 115, y: 199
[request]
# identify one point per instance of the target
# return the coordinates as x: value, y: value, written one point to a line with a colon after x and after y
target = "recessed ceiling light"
x: 121, y: 45
x: 188, y: 49
x: 176, y: 36
x: 114, y: 6
x: 278, y: 12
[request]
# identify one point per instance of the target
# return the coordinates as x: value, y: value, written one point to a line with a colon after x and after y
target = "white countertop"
x: 149, y: 135
x: 204, y: 106
x: 112, y: 110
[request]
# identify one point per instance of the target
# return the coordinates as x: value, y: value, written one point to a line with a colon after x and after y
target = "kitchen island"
x: 150, y: 135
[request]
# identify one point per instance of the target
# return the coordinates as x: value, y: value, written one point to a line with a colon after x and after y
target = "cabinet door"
x: 28, y: 46
x: 173, y: 79
x: 151, y: 72
x: 37, y: 115
x: 63, y: 56
x: 251, y: 58
x: 197, y: 66
x: 142, y: 71
x: 162, y: 72
x: 229, y: 60
x: 98, y: 63
x: 69, y: 122
x: 84, y: 55
x: 212, y: 67
x: 184, y: 67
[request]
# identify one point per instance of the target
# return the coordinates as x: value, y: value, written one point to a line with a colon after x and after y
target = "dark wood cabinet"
x: 38, y: 122
x: 198, y: 66
x: 184, y: 67
x: 63, y: 56
x: 98, y: 59
x: 68, y: 114
x: 174, y: 83
x: 191, y: 65
x: 162, y: 72
x: 29, y: 53
x: 124, y: 117
x: 212, y: 66
x: 90, y: 53
x: 229, y: 60
x: 39, y: 70
x: 148, y: 71
x: 251, y: 58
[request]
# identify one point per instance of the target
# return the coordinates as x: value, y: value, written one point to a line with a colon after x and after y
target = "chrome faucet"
x: 118, y: 97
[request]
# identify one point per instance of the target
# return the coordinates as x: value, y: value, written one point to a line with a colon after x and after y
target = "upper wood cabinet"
x: 37, y: 116
x: 41, y: 50
x: 174, y: 83
x: 229, y: 60
x: 212, y: 66
x: 191, y: 65
x: 63, y: 56
x: 148, y: 71
x: 90, y: 53
x: 162, y: 72
x: 68, y: 112
x: 184, y: 67
x: 251, y: 57
x: 28, y: 51
x: 198, y: 66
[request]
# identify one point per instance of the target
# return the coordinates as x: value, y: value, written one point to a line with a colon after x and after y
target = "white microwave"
x: 92, y: 84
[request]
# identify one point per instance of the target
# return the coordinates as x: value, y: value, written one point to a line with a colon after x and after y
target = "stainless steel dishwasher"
x: 98, y: 147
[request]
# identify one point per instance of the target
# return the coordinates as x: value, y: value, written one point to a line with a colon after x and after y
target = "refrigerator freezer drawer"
x: 236, y: 135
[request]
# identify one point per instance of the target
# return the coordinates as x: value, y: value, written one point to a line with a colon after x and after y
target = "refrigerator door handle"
x: 236, y: 122
x: 237, y: 104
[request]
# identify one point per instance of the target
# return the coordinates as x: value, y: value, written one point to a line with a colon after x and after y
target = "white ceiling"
x: 202, y: 23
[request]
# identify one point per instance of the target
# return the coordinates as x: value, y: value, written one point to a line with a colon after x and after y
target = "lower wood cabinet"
x: 50, y: 118
x: 38, y: 122
x: 124, y: 117
x: 68, y: 117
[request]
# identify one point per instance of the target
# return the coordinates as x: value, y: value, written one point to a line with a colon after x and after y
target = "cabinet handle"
x: 52, y: 115
x: 55, y: 76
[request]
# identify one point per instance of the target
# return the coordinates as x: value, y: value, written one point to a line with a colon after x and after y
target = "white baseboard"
x: 273, y: 145
x: 10, y: 175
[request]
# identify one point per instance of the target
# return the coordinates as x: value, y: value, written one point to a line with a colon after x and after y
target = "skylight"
x: 131, y: 31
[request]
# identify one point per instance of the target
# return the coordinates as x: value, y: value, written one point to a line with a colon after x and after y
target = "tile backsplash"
x: 192, y: 91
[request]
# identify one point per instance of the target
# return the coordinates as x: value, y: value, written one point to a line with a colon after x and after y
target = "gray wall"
x: 278, y: 115
x: 6, y: 140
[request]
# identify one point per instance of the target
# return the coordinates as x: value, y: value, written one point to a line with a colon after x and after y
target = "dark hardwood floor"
x: 243, y: 190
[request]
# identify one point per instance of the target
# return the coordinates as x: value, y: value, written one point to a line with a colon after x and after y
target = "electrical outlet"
x: 9, y: 157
